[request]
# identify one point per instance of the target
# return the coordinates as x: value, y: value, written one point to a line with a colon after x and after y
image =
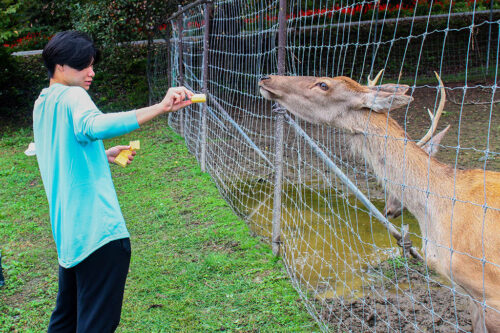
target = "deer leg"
x: 492, y: 321
x: 477, y: 314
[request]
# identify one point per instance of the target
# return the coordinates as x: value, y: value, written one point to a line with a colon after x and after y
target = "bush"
x: 120, y: 83
x: 111, y: 22
x: 21, y: 80
x: 121, y: 80
x: 26, y: 24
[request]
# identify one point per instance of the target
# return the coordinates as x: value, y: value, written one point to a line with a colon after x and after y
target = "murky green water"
x: 331, y: 245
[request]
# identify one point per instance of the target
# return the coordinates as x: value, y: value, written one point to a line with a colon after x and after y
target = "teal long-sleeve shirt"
x: 84, y: 209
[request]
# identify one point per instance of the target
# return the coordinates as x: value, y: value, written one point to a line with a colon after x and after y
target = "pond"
x: 329, y: 242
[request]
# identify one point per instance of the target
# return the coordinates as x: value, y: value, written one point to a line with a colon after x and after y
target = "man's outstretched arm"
x: 174, y: 100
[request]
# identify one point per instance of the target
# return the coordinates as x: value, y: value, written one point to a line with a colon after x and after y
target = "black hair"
x: 73, y: 48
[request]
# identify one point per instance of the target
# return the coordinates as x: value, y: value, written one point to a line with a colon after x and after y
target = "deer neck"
x: 396, y: 160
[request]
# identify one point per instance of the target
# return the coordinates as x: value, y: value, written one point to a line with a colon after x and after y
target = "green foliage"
x: 27, y: 24
x: 9, y: 22
x: 398, y: 262
x: 121, y: 82
x: 35, y: 18
x: 21, y: 79
x: 113, y: 21
x: 397, y: 267
x: 50, y: 16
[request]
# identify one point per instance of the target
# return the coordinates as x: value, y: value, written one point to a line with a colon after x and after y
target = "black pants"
x: 2, y: 279
x: 91, y: 293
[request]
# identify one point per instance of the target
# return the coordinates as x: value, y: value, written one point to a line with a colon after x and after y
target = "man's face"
x: 74, y: 77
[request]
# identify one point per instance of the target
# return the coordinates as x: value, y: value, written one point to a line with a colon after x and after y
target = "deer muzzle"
x: 266, y: 89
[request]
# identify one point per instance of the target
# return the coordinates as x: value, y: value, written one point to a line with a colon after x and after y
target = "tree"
x: 113, y: 21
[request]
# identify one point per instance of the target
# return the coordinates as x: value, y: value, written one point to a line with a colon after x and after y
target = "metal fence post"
x: 168, y: 54
x: 206, y: 45
x: 278, y: 177
x: 489, y: 38
x: 180, y: 28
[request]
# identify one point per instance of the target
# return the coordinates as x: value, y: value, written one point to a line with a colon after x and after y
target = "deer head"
x: 343, y: 101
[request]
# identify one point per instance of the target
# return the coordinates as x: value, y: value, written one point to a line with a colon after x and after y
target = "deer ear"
x: 380, y: 101
x: 392, y: 88
x: 432, y: 146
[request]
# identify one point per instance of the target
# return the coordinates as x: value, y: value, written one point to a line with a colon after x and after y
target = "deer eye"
x: 322, y: 85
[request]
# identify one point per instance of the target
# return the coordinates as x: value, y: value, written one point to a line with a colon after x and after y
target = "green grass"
x: 194, y: 267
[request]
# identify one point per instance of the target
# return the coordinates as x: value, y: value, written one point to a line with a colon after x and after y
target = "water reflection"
x: 330, y: 243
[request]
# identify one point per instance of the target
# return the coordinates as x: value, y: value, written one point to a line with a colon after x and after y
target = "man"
x: 92, y: 240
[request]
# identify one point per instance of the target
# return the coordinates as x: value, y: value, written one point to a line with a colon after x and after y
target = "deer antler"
x: 434, y: 118
x: 372, y: 83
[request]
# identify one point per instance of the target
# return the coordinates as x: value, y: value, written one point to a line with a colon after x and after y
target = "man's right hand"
x: 175, y: 99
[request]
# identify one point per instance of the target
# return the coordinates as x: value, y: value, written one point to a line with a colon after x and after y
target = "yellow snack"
x: 199, y: 98
x: 135, y: 145
x: 122, y: 158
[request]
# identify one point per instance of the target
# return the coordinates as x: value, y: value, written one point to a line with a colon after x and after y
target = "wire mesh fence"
x: 302, y: 180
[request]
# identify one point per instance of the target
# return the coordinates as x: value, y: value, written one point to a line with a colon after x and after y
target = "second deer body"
x: 458, y: 210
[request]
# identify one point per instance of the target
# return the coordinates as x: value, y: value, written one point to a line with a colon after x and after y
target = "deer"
x: 458, y: 211
x: 429, y: 144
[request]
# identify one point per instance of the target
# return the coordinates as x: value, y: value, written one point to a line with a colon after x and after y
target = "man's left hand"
x: 111, y: 153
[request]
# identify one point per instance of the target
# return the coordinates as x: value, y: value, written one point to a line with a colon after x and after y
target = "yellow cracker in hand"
x: 199, y: 98
x: 135, y: 145
x: 122, y: 158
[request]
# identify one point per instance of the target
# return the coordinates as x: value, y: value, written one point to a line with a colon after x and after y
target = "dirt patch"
x: 222, y: 246
x: 407, y: 299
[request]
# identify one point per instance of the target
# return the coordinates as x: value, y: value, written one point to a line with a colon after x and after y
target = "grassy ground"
x: 194, y: 266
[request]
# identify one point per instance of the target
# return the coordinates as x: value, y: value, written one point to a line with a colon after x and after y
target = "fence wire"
x: 347, y: 267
